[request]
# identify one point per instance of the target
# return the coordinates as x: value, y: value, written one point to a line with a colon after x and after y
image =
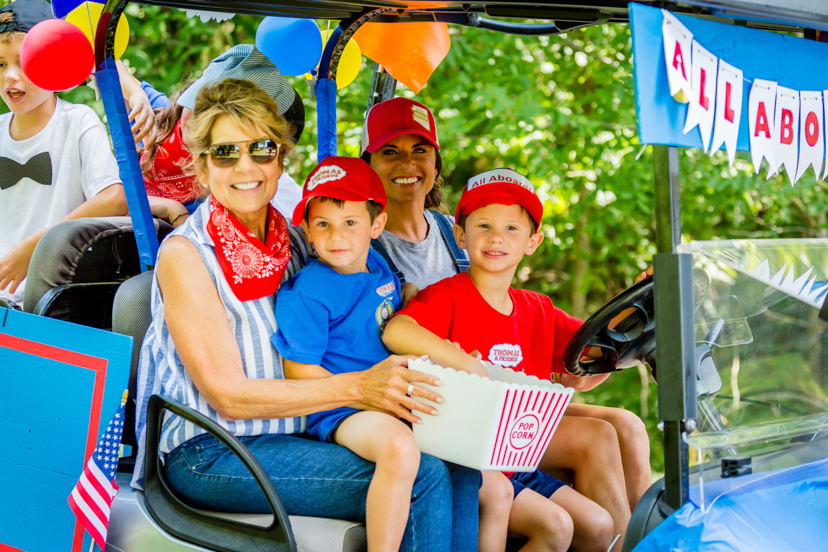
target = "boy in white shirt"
x: 55, y: 159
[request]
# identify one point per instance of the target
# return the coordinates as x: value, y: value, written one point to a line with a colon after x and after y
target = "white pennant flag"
x: 703, y: 98
x: 677, y: 40
x: 729, y: 85
x: 786, y: 131
x: 811, y: 139
x: 825, y: 118
x: 761, y: 105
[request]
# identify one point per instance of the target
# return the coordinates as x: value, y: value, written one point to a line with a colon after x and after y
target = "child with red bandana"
x: 497, y: 223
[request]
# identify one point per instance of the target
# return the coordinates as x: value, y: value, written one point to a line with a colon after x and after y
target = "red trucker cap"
x: 345, y: 178
x: 503, y: 186
x: 391, y: 118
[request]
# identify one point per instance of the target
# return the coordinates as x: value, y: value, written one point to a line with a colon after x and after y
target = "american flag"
x: 93, y: 494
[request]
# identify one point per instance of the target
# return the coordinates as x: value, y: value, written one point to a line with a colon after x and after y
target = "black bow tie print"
x: 38, y: 168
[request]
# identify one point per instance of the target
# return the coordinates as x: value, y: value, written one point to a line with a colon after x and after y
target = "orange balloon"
x: 410, y: 56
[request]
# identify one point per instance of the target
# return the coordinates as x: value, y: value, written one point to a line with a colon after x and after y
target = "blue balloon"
x: 61, y: 8
x: 293, y: 45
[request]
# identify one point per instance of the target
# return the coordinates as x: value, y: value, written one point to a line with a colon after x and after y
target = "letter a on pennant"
x: 701, y: 110
x: 761, y: 105
x: 811, y: 139
x: 677, y: 43
x: 786, y: 131
x: 729, y: 86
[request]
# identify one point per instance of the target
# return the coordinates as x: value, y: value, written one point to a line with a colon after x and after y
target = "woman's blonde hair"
x: 248, y: 106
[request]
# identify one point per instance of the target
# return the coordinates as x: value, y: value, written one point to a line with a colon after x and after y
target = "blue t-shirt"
x: 334, y: 320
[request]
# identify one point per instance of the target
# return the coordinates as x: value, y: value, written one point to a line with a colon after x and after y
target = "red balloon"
x: 56, y: 55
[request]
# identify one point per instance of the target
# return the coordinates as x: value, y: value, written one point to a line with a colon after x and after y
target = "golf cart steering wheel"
x: 630, y: 342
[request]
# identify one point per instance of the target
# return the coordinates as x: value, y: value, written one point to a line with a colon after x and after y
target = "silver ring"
x: 410, y: 392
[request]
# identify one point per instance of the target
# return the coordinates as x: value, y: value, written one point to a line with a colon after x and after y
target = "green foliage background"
x: 558, y: 109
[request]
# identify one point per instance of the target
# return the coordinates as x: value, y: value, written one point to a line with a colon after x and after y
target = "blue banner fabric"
x: 326, y: 118
x: 128, y: 164
x: 792, y: 62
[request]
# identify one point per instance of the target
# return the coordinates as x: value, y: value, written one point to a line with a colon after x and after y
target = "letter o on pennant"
x: 812, y: 129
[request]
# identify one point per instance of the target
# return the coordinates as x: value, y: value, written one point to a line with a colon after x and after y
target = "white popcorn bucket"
x: 503, y: 424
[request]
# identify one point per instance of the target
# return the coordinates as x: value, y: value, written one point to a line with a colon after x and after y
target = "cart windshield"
x: 761, y: 346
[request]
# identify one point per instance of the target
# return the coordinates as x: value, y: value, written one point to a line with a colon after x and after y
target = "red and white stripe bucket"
x: 505, y: 423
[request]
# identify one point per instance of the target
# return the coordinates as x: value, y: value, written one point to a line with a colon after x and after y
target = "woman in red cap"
x: 399, y: 141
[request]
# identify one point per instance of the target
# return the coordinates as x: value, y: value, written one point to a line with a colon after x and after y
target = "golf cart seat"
x: 78, y: 265
x: 156, y: 519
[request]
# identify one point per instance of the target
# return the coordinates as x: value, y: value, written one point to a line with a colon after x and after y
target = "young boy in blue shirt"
x: 330, y: 317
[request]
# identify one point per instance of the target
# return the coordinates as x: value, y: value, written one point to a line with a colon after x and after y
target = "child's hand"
x: 408, y: 292
x: 169, y: 210
x: 142, y: 117
x: 647, y: 273
x: 473, y: 367
x: 15, y: 264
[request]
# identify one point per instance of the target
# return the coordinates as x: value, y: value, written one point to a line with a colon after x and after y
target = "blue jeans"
x: 326, y: 480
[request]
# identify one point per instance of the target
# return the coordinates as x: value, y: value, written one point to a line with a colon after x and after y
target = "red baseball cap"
x: 502, y: 186
x: 397, y: 116
x: 345, y: 178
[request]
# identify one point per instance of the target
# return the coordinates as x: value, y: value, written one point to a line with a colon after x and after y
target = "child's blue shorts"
x: 540, y: 482
x: 321, y: 425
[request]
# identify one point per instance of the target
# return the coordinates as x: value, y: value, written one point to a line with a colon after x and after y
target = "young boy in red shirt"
x: 497, y: 223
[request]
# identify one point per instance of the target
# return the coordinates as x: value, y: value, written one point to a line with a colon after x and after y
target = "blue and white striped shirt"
x: 160, y: 370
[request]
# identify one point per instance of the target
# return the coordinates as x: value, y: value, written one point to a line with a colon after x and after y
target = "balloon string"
x: 91, y: 28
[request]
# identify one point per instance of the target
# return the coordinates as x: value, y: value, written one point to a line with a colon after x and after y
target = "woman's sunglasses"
x: 261, y: 152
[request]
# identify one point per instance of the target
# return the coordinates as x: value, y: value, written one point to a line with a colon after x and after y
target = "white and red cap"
x: 345, y: 178
x: 395, y: 117
x: 502, y: 186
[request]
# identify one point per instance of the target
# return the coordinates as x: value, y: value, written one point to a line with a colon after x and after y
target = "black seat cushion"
x: 84, y: 251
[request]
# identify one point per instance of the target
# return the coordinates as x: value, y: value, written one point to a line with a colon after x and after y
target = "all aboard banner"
x: 710, y: 85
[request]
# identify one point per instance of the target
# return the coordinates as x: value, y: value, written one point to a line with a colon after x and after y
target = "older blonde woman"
x: 209, y: 347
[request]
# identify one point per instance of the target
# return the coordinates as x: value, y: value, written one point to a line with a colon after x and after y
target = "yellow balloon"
x: 86, y: 17
x: 349, y: 63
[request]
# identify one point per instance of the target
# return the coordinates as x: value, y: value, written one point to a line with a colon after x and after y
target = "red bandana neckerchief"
x: 166, y: 177
x: 252, y: 268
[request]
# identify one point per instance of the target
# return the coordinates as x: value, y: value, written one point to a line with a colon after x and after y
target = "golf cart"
x: 720, y: 309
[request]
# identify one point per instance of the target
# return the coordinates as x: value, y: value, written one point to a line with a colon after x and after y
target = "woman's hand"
x: 169, y: 210
x: 408, y: 292
x: 385, y: 387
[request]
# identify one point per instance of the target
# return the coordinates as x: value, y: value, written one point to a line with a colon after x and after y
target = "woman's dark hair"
x: 166, y: 117
x: 434, y: 199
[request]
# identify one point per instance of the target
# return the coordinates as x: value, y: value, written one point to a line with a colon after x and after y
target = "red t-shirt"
x: 532, y: 340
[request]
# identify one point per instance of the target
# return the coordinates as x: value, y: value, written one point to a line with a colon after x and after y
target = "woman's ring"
x: 410, y: 392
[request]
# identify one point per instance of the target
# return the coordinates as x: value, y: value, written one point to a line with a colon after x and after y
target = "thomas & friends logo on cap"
x: 325, y: 174
x: 420, y: 115
x: 507, y: 176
